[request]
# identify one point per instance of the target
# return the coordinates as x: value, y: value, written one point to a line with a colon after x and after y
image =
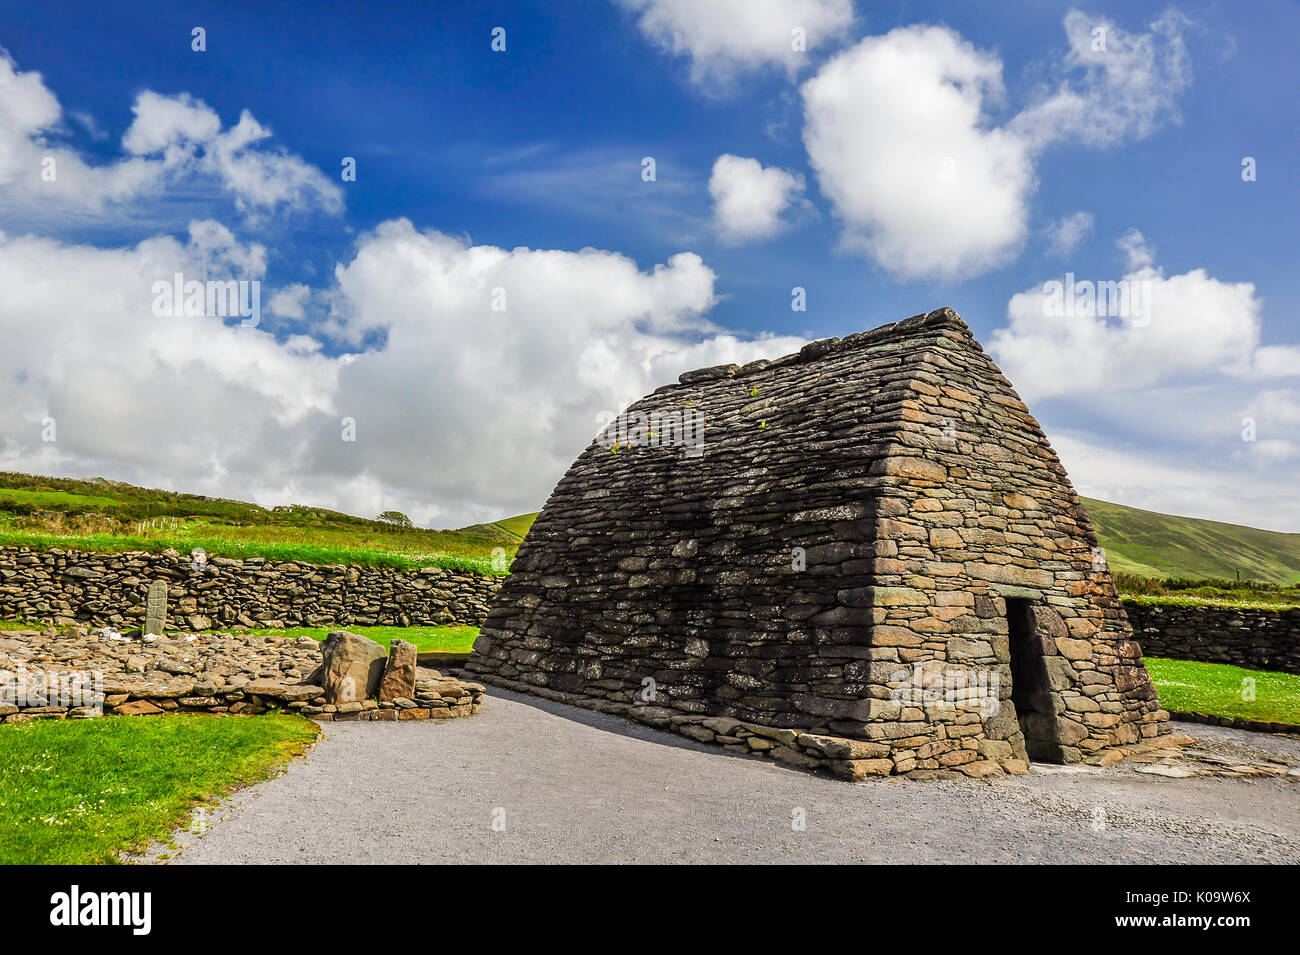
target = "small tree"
x: 396, y: 518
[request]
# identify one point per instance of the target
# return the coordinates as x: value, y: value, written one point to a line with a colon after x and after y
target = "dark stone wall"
x: 75, y: 587
x: 1255, y: 638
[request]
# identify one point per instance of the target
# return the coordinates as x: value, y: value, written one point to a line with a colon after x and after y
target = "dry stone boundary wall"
x: 1254, y: 638
x: 72, y: 587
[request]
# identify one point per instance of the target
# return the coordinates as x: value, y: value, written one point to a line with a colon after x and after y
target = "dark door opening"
x: 1030, y: 690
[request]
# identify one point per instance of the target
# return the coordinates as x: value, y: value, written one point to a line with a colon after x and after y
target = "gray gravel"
x: 575, y: 786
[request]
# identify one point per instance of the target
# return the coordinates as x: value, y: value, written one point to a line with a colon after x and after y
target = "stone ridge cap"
x: 890, y: 332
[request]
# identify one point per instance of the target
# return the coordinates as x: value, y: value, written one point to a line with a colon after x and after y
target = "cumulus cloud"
x: 137, y: 394
x: 895, y: 131
x: 462, y: 411
x: 1175, y: 405
x: 900, y: 132
x: 748, y: 199
x: 290, y: 301
x: 1174, y: 326
x: 724, y: 38
x: 171, y: 139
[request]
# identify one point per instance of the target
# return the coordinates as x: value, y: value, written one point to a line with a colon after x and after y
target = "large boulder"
x: 399, y: 674
x: 352, y: 668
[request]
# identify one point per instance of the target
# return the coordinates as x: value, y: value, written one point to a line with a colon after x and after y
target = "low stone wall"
x: 1254, y: 638
x: 70, y: 587
x: 77, y: 674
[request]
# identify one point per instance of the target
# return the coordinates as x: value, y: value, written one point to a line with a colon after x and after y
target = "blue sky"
x: 1107, y: 163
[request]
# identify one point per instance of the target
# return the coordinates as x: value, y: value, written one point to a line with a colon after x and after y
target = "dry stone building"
x: 864, y: 556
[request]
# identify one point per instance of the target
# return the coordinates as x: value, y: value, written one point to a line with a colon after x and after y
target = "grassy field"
x: 1217, y: 689
x: 83, y: 791
x: 426, y: 639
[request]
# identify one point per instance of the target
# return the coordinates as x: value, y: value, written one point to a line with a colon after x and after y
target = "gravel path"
x: 575, y: 786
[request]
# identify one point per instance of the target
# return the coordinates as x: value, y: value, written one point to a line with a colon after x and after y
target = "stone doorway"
x: 1031, y: 691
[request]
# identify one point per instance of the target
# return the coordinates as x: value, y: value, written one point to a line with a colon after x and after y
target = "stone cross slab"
x: 155, y: 608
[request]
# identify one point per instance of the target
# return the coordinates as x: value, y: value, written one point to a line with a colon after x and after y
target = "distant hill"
x: 1157, y: 545
x: 102, y: 515
x: 1161, y: 545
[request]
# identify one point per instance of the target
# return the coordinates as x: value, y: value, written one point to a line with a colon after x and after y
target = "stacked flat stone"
x: 201, y: 673
x: 1257, y: 638
x: 71, y: 587
x: 862, y: 507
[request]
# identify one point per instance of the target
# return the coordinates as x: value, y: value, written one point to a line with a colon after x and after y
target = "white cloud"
x: 163, y: 122
x: 462, y: 412
x: 723, y: 38
x: 1177, y: 409
x: 899, y: 132
x: 1187, y: 324
x: 1064, y: 236
x: 1126, y: 84
x: 172, y: 139
x: 895, y: 130
x: 290, y: 301
x: 748, y: 199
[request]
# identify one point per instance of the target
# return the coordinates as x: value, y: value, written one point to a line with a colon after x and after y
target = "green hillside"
x: 107, y: 516
x: 1160, y: 545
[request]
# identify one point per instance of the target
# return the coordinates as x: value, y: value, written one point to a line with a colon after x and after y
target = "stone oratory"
x: 863, y: 557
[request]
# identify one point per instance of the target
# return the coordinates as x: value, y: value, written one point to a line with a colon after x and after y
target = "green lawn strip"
x: 225, y: 547
x: 1228, y: 602
x: 1216, y: 689
x: 54, y: 499
x: 426, y: 639
x: 83, y: 791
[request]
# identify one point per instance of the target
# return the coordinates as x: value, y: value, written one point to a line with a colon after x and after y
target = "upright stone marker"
x: 155, y: 608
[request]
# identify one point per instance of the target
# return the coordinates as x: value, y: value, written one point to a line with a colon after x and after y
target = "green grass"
x: 426, y: 639
x: 1148, y: 544
x: 82, y: 791
x: 234, y: 546
x: 456, y: 639
x: 52, y: 500
x: 1250, y: 600
x: 1216, y: 689
x: 517, y: 525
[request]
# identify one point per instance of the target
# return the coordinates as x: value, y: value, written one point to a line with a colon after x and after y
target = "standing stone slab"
x: 399, y: 674
x: 155, y: 608
x: 352, y: 668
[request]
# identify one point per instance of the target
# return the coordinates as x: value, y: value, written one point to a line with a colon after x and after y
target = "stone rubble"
x: 204, y: 673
